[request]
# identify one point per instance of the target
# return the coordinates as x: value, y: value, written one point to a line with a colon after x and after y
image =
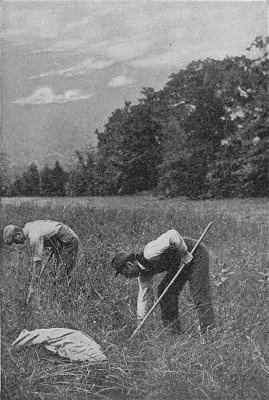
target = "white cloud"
x: 78, y: 24
x: 120, y: 80
x: 77, y: 42
x: 79, y: 69
x: 59, y: 27
x: 120, y: 48
x: 14, y: 36
x: 45, y: 95
x: 32, y: 22
x: 65, y: 45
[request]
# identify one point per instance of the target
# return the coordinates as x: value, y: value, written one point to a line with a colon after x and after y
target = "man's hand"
x: 186, y: 257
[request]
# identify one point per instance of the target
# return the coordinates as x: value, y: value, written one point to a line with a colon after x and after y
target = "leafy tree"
x: 59, y: 178
x: 28, y: 184
x: 173, y: 171
x: 129, y: 149
x: 31, y: 181
x: 4, y: 179
x: 53, y: 180
x: 15, y: 188
x: 109, y: 151
x: 222, y: 113
x: 194, y: 105
x: 247, y: 145
x: 140, y: 151
x: 82, y: 180
x: 46, y: 181
x: 254, y: 129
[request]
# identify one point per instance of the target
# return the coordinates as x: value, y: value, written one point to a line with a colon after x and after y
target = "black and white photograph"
x: 134, y: 199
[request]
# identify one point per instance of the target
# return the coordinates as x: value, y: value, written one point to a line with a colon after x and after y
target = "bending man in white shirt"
x: 165, y: 254
x: 58, y: 237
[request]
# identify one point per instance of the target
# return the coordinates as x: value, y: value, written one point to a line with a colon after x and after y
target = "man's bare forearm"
x: 33, y: 279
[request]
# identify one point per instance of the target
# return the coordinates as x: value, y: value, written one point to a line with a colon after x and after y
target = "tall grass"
x: 231, y: 364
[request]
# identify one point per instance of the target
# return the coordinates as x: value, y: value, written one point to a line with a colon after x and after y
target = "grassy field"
x: 232, y: 364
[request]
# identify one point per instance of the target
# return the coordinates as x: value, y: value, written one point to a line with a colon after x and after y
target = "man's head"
x: 13, y: 234
x: 126, y: 265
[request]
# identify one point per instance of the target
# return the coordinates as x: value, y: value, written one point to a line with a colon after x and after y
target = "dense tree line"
x: 47, y: 182
x: 204, y: 135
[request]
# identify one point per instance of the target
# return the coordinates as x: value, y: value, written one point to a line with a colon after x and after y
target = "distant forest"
x: 204, y: 135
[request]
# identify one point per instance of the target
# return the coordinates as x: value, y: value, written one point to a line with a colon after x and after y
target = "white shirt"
x: 152, y: 251
x: 169, y: 239
x: 35, y: 232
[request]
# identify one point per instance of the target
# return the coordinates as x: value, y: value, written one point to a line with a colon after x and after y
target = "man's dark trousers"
x: 197, y: 274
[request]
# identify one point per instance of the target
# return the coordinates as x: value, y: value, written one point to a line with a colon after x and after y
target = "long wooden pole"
x: 171, y: 283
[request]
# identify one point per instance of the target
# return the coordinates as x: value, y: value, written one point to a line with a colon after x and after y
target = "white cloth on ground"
x: 68, y: 343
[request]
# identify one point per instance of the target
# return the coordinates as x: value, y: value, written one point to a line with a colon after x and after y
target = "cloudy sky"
x: 66, y: 65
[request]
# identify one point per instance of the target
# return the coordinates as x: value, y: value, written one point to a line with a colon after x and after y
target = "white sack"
x: 67, y: 343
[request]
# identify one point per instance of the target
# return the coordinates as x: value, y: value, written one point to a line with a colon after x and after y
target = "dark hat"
x: 119, y: 261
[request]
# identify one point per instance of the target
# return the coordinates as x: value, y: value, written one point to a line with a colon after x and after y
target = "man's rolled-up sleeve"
x: 145, y: 296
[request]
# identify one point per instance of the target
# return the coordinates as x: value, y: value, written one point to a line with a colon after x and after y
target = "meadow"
x: 231, y: 364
